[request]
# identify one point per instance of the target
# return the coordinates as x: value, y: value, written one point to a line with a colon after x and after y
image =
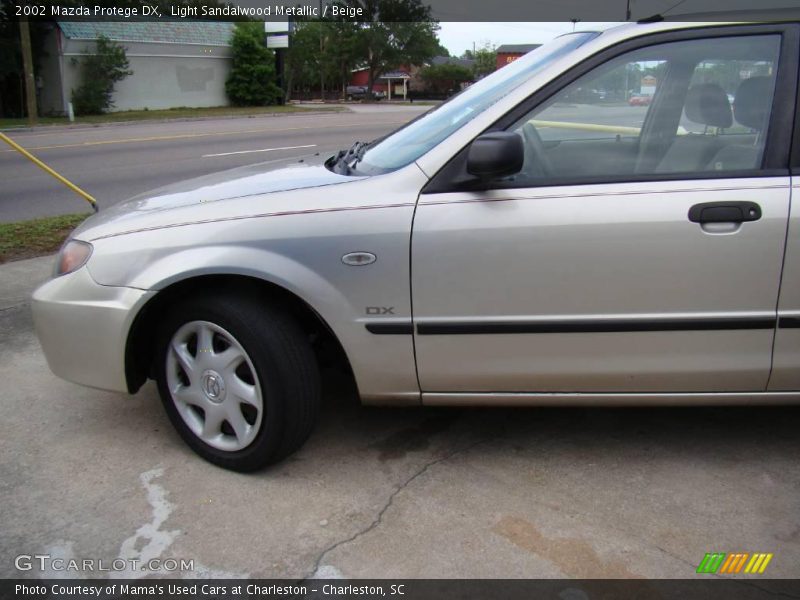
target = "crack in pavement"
x: 673, y: 556
x: 13, y: 306
x: 379, y: 518
x: 390, y: 501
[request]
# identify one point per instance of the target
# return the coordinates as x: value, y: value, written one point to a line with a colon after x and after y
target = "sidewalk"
x: 19, y: 278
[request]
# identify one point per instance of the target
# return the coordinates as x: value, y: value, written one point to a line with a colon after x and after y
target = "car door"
x: 785, y: 374
x: 640, y: 247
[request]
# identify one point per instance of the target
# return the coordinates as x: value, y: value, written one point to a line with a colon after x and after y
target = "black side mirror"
x: 496, y: 154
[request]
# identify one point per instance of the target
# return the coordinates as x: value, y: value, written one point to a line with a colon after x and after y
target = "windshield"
x: 415, y: 139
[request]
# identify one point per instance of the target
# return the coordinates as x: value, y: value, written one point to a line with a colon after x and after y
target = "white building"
x: 174, y: 64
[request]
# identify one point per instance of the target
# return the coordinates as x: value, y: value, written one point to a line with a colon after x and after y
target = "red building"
x: 361, y: 78
x: 398, y: 80
x: 508, y: 53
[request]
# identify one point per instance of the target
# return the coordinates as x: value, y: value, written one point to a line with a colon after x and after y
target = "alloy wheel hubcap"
x: 214, y: 386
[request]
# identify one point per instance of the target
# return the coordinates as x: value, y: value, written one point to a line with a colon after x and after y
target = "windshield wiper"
x: 360, y: 153
x: 344, y: 161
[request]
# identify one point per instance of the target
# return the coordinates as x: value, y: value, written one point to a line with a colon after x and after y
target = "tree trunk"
x: 370, y: 74
x: 27, y: 67
x: 289, y: 82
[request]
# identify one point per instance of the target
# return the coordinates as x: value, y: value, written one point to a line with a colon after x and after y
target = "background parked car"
x: 359, y: 92
x: 640, y: 100
x: 584, y: 96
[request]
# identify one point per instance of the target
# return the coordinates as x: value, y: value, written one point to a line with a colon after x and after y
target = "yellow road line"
x: 621, y: 129
x: 618, y: 129
x: 163, y: 138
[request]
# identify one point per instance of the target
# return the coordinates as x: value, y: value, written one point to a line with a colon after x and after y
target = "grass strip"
x: 37, y: 237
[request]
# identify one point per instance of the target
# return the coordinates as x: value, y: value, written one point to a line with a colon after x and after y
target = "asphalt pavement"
x: 116, y: 162
x: 396, y: 493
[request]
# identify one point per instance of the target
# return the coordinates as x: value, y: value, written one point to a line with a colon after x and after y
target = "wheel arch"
x: 139, y: 346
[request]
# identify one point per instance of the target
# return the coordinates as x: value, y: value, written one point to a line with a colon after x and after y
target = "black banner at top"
x: 368, y: 10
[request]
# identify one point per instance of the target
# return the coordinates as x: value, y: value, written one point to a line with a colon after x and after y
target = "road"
x: 418, y: 493
x: 115, y: 162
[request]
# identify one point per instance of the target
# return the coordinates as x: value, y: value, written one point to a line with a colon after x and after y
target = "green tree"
x: 444, y: 78
x: 12, y: 95
x: 303, y: 57
x: 252, y: 78
x: 441, y: 50
x: 322, y: 53
x: 393, y: 33
x: 342, y: 51
x: 100, y: 72
x: 485, y: 61
x: 615, y: 83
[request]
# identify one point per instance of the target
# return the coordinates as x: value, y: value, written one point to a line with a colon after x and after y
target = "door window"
x: 694, y: 106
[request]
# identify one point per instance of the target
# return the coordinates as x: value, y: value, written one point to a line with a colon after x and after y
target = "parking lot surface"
x: 588, y: 493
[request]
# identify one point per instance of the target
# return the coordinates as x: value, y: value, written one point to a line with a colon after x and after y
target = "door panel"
x: 598, y: 269
x: 596, y: 157
x: 597, y: 288
x: 786, y: 360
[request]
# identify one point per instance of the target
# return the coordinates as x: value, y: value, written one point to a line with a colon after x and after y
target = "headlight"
x: 73, y: 255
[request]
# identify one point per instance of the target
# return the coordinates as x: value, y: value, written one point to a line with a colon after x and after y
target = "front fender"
x: 262, y: 264
x: 304, y: 259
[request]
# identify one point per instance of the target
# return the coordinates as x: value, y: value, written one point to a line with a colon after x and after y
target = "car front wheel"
x: 238, y: 380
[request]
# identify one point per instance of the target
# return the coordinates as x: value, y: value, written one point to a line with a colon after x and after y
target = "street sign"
x: 278, y: 41
x: 276, y: 26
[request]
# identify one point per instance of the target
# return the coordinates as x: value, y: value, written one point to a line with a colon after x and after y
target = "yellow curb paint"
x: 17, y: 148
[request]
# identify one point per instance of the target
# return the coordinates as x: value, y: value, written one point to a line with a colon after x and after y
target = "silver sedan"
x: 526, y: 243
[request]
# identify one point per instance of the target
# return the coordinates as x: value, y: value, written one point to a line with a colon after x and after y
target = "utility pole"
x: 27, y: 68
x: 627, y: 10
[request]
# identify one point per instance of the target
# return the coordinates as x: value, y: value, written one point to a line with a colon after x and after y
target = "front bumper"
x: 83, y: 327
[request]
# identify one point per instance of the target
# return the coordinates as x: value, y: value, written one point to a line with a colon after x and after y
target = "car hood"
x: 252, y: 180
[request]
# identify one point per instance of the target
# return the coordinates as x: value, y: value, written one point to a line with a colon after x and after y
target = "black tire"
x: 283, y: 361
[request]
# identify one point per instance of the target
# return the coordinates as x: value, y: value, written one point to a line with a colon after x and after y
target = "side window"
x: 694, y: 106
x: 613, y: 102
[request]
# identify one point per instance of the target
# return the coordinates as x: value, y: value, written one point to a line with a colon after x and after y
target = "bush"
x: 100, y: 72
x: 444, y: 78
x: 252, y: 78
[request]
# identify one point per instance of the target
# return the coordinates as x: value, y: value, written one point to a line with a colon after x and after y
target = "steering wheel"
x: 537, y: 164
